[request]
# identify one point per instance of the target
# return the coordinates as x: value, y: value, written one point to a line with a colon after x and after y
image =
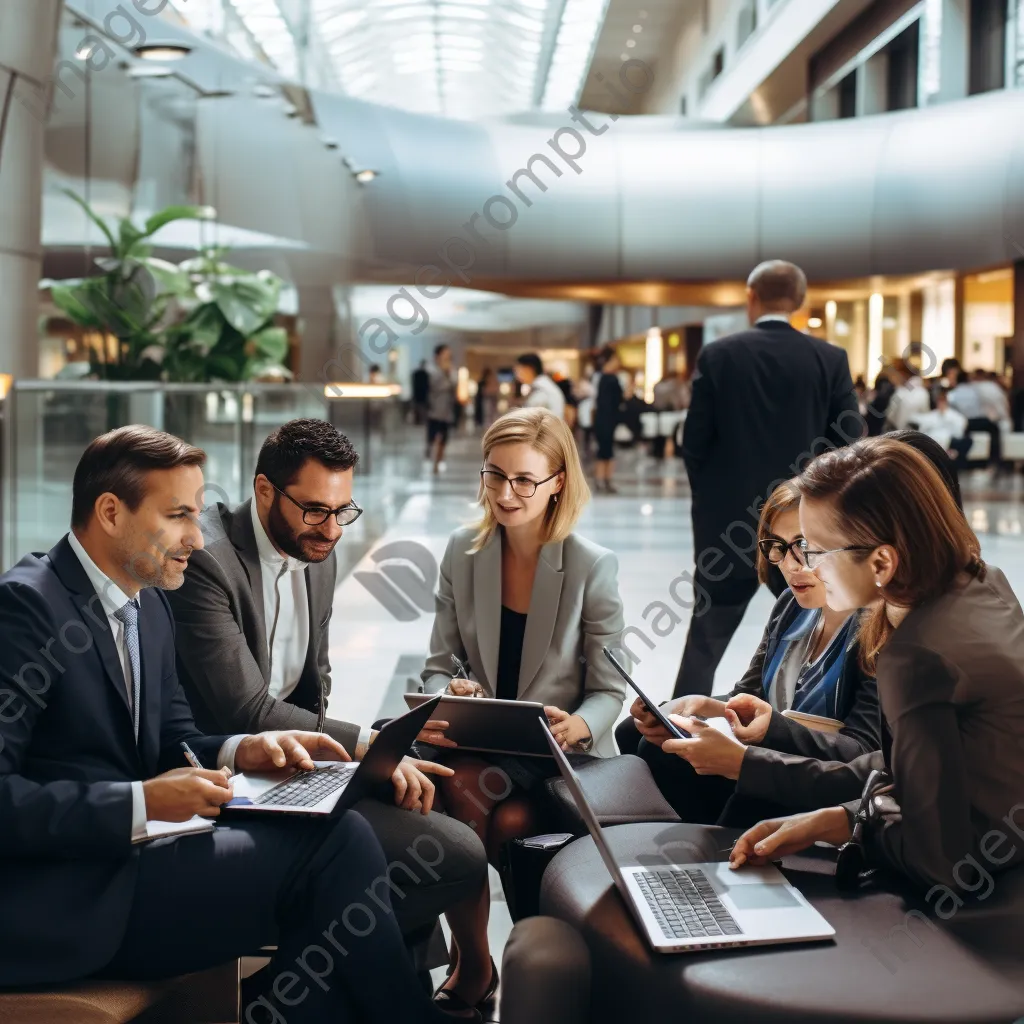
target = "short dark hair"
x: 118, y: 462
x: 288, y: 448
x: 532, y: 360
x: 438, y: 349
x: 778, y: 284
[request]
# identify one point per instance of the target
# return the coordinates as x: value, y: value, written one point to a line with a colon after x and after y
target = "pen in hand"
x: 189, y: 755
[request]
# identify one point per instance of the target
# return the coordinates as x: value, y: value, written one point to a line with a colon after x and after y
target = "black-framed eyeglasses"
x: 774, y: 549
x: 317, y: 515
x: 524, y: 486
x: 812, y: 558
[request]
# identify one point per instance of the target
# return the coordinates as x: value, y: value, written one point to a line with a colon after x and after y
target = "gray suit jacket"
x: 221, y: 635
x: 575, y: 610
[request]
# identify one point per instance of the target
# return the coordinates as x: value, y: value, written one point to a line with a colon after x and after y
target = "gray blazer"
x: 575, y: 610
x: 221, y: 636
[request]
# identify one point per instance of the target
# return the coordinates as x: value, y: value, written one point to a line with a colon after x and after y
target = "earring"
x: 554, y: 498
x: 878, y: 583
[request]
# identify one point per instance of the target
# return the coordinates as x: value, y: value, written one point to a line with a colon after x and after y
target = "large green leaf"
x: 270, y: 343
x: 98, y: 221
x: 265, y: 367
x: 170, y: 278
x: 204, y: 326
x: 170, y: 214
x: 130, y: 236
x: 70, y: 300
x: 248, y: 303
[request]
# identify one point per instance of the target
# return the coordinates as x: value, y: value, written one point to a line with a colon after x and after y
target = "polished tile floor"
x: 379, y: 640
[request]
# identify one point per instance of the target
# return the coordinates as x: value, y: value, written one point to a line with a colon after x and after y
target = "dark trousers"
x: 717, y: 613
x: 703, y: 799
x: 322, y: 891
x: 987, y: 426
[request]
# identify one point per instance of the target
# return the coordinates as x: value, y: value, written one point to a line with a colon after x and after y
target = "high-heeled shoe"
x: 451, y: 1002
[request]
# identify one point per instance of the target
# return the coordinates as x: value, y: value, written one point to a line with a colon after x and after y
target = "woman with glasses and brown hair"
x: 944, y: 635
x: 806, y: 662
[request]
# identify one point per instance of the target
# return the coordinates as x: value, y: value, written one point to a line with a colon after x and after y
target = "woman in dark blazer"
x: 944, y: 635
x: 807, y: 662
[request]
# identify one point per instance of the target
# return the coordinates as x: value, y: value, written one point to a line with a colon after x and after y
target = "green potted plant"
x: 204, y: 320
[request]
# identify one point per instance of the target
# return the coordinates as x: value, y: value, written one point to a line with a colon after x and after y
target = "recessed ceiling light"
x: 623, y: 56
x: 85, y: 50
x: 329, y: 143
x: 643, y: 14
x: 630, y: 43
x: 366, y: 176
x: 149, y: 71
x: 638, y: 28
x: 162, y: 51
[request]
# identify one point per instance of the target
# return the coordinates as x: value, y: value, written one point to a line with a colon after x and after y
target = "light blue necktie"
x: 128, y: 616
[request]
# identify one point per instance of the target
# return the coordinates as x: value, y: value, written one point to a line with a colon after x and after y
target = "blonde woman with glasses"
x: 526, y: 605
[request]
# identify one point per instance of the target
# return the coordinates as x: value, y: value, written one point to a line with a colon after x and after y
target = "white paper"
x: 163, y: 829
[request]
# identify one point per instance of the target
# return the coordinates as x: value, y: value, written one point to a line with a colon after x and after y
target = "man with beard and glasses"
x: 252, y: 635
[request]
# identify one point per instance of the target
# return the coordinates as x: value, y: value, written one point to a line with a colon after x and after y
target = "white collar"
x: 111, y: 596
x: 783, y: 317
x: 269, y: 555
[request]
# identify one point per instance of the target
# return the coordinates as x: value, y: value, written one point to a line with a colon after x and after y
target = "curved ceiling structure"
x: 602, y: 199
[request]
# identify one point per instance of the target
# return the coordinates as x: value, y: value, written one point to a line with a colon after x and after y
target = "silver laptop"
x: 331, y: 786
x: 684, y: 907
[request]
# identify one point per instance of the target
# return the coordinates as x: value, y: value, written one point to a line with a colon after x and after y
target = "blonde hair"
x: 548, y: 434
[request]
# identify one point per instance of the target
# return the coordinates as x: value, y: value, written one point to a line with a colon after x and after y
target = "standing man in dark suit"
x: 92, y: 722
x: 253, y: 636
x: 764, y: 401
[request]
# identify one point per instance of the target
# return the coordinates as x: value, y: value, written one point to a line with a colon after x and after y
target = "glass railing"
x: 48, y: 424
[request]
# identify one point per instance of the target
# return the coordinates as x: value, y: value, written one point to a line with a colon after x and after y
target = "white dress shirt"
x: 113, y: 598
x: 908, y: 404
x: 782, y: 317
x: 546, y: 394
x: 284, y: 595
x: 942, y: 425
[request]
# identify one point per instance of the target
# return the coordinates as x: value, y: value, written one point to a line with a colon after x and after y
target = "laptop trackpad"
x: 762, y: 897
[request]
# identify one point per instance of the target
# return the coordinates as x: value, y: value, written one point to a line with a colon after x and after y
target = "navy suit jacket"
x: 68, y: 757
x: 764, y: 402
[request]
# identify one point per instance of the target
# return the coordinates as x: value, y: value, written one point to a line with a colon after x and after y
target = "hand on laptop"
x: 749, y: 717
x: 780, y: 837
x: 465, y: 688
x: 569, y: 730
x: 266, y: 751
x: 177, y: 795
x: 709, y: 751
x: 413, y: 790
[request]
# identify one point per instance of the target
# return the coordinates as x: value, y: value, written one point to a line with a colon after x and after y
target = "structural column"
x: 28, y: 30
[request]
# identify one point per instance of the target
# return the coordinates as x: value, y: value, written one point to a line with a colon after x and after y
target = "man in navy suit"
x: 764, y: 401
x: 92, y: 719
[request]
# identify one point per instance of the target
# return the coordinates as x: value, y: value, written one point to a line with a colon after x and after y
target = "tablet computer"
x: 670, y: 726
x: 489, y: 725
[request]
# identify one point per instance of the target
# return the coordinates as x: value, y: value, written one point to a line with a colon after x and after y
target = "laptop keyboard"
x: 308, y: 788
x: 685, y: 904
